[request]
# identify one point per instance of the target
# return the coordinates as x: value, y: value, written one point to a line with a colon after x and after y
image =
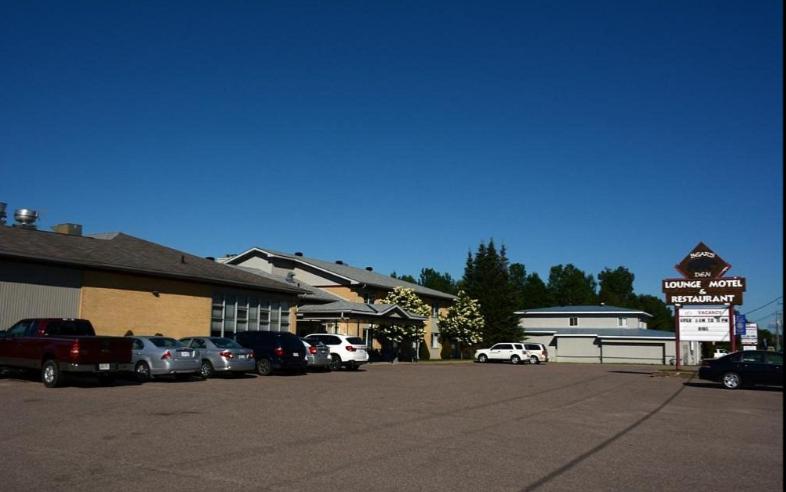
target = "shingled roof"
x: 352, y: 274
x: 121, y: 252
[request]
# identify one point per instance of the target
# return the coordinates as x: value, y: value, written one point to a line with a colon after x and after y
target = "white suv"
x: 349, y: 352
x: 513, y: 352
x: 537, y: 352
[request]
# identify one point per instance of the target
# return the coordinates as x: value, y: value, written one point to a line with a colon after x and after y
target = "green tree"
x: 405, y: 278
x: 616, y: 287
x: 662, y: 316
x: 442, y: 282
x: 463, y: 322
x: 487, y: 279
x: 518, y: 283
x: 536, y: 294
x: 569, y: 286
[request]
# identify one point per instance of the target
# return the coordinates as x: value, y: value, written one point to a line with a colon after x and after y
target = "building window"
x: 622, y: 322
x: 284, y: 317
x: 435, y: 310
x: 232, y: 314
x: 435, y: 341
x: 368, y: 298
x: 574, y: 321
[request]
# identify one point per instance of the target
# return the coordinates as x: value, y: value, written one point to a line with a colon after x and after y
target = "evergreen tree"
x: 569, y: 286
x: 616, y: 287
x: 405, y: 278
x: 487, y: 279
x: 536, y: 294
x: 662, y: 316
x: 518, y: 283
x: 442, y: 282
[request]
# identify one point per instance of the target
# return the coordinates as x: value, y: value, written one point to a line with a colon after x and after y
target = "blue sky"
x: 402, y: 134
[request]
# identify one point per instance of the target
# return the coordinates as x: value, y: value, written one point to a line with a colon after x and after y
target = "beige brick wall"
x: 116, y: 302
x: 344, y: 293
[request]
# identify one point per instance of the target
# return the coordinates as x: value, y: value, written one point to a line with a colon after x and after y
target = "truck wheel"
x: 50, y: 374
x: 142, y: 371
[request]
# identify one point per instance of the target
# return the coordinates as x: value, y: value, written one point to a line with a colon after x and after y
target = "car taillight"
x: 312, y: 350
x: 227, y: 354
x: 167, y: 355
x: 350, y: 348
x: 74, y: 352
x: 279, y: 351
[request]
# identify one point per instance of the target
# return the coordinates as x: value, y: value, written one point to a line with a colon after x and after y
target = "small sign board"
x: 751, y: 335
x: 739, y: 324
x: 704, y: 324
x: 702, y: 262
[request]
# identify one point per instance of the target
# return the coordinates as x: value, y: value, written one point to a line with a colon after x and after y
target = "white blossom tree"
x: 463, y: 322
x: 406, y: 299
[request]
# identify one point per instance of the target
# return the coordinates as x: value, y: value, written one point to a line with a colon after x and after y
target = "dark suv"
x: 274, y: 350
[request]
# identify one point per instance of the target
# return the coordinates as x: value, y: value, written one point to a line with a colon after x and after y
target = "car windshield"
x: 356, y: 341
x: 164, y: 342
x: 225, y: 343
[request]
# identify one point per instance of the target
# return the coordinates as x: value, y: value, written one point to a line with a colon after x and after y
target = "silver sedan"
x: 163, y: 356
x: 221, y: 354
x: 317, y: 355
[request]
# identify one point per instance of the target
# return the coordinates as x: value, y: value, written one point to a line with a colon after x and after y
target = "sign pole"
x: 677, y: 335
x: 731, y: 328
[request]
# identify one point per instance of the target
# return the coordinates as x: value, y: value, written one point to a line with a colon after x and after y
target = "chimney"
x: 370, y: 269
x: 25, y: 218
x: 298, y: 253
x: 68, y: 228
x: 3, y: 205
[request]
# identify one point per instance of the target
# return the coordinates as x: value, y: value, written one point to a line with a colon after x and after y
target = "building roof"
x: 589, y: 309
x: 360, y: 309
x: 602, y: 332
x: 352, y: 274
x: 312, y: 293
x: 121, y: 252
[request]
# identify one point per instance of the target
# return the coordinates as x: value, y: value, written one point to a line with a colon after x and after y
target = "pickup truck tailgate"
x: 95, y: 350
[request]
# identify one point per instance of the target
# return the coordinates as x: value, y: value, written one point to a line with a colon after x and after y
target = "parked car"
x: 720, y: 353
x: 745, y: 368
x: 163, y: 356
x: 317, y: 355
x: 345, y: 351
x: 274, y: 351
x: 221, y: 355
x: 537, y: 352
x: 58, y: 346
x: 513, y: 352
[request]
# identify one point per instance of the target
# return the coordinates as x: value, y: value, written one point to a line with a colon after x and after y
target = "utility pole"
x: 778, y: 329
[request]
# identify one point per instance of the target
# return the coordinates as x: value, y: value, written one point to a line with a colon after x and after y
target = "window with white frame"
x: 574, y: 321
x: 435, y: 341
x: 435, y: 310
x: 622, y: 322
x: 231, y: 314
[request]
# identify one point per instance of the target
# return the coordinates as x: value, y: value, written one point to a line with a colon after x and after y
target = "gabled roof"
x: 121, y: 252
x: 351, y: 274
x: 602, y: 333
x: 589, y: 309
x: 356, y: 308
x: 311, y: 293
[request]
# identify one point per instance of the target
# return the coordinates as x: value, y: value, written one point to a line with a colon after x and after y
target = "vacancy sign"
x: 704, y: 324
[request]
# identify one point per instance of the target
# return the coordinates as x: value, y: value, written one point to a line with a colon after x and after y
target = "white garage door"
x: 632, y: 353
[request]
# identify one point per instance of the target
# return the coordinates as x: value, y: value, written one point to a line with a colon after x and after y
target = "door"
x: 774, y: 363
x: 501, y: 351
x: 754, y: 369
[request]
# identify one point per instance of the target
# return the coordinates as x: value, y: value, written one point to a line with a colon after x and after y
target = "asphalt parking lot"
x: 396, y: 427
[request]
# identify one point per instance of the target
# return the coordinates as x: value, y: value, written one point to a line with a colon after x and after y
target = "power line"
x: 764, y: 306
x: 765, y: 317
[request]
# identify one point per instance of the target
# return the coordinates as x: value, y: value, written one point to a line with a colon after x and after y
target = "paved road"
x: 396, y: 427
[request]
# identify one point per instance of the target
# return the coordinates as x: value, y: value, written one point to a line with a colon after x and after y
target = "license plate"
x: 103, y: 367
x: 242, y: 356
x: 296, y: 354
x: 185, y: 354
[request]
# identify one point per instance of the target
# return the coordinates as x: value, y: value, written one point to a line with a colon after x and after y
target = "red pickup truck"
x: 56, y: 346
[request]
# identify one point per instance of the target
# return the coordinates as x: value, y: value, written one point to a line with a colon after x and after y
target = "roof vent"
x: 25, y: 218
x: 290, y: 277
x: 370, y: 269
x: 70, y: 229
x: 339, y: 262
x: 2, y: 212
x: 211, y: 258
x: 298, y: 253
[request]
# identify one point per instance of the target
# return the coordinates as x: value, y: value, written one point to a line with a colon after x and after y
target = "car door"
x: 754, y: 370
x: 774, y: 362
x: 500, y: 351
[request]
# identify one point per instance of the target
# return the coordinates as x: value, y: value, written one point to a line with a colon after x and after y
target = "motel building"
x: 603, y: 335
